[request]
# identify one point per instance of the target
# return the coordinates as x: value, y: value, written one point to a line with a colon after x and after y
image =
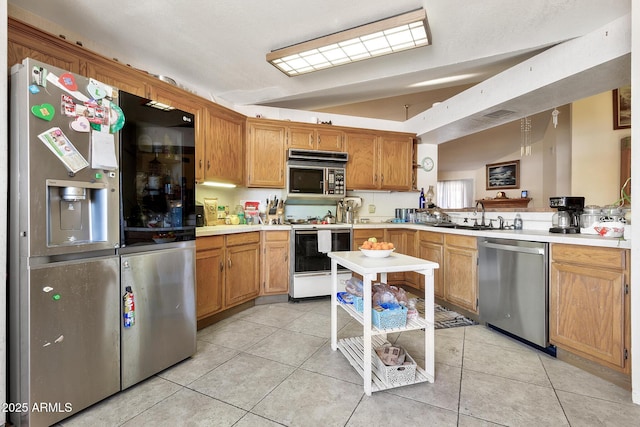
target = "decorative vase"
x: 430, y: 194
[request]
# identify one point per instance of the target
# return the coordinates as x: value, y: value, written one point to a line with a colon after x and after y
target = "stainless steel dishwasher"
x: 514, y: 288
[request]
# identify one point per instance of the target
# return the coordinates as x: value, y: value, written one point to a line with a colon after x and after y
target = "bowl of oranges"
x: 374, y: 249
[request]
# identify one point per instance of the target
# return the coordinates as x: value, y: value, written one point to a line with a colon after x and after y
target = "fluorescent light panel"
x: 395, y: 34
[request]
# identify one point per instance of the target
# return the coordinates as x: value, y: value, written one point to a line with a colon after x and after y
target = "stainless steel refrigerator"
x: 102, y: 242
x: 157, y: 236
x: 64, y: 270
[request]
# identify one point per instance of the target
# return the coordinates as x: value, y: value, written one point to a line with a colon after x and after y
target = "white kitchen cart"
x: 359, y: 350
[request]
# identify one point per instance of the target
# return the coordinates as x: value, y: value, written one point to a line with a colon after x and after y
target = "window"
x: 455, y: 194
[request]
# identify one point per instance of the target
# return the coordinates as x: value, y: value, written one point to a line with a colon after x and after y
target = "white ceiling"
x: 217, y: 48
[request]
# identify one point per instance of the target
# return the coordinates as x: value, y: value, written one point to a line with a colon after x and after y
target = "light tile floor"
x: 273, y: 365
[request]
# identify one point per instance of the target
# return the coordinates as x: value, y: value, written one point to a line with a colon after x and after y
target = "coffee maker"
x: 567, y: 220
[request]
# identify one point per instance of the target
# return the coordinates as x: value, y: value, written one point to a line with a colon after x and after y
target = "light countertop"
x: 530, y: 235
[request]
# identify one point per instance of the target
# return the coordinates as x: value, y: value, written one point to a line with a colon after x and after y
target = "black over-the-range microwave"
x: 316, y: 174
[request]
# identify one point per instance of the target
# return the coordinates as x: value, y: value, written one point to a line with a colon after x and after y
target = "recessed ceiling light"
x: 395, y: 34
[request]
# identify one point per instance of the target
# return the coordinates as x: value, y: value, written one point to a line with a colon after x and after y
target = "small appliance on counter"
x: 567, y: 220
x: 199, y: 215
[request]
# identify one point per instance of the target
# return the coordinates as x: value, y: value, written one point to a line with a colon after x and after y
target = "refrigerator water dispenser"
x: 77, y: 212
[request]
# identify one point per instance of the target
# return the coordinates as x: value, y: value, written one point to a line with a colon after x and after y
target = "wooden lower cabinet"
x: 405, y: 243
x: 209, y: 275
x: 461, y: 271
x: 362, y: 234
x: 275, y: 263
x: 430, y: 247
x: 242, y: 281
x: 589, y: 303
x: 227, y: 271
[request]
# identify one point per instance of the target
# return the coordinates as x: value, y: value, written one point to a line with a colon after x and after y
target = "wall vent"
x: 499, y: 114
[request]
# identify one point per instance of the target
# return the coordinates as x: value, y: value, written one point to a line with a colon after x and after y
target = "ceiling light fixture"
x: 442, y: 80
x: 395, y: 34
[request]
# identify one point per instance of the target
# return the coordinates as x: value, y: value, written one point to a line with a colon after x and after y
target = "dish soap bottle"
x: 422, y: 199
x: 517, y: 222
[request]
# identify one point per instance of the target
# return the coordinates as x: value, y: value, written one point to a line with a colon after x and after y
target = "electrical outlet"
x: 372, y: 208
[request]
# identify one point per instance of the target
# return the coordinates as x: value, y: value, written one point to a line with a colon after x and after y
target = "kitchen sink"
x: 474, y: 227
x: 459, y: 226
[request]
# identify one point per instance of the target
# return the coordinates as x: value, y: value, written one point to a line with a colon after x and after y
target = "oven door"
x: 311, y: 269
x: 306, y: 256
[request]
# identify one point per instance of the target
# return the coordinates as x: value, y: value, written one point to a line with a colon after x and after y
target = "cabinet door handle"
x: 208, y: 164
x: 200, y: 167
x: 221, y: 265
x: 310, y: 140
x: 229, y: 262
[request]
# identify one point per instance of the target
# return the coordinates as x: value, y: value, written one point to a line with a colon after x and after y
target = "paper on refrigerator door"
x: 103, y: 151
x: 324, y: 241
x: 64, y: 150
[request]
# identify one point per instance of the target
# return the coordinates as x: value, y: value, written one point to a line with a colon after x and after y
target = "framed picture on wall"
x: 622, y: 108
x: 503, y: 175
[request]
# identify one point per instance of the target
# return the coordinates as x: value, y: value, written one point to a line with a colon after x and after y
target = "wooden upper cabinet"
x: 265, y: 154
x: 362, y: 165
x: 25, y: 41
x: 301, y: 137
x: 223, y: 148
x: 329, y: 139
x: 128, y: 80
x: 175, y: 97
x: 311, y: 137
x: 395, y: 165
x: 379, y: 161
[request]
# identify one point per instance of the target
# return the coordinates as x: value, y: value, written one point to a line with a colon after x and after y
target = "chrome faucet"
x: 479, y: 202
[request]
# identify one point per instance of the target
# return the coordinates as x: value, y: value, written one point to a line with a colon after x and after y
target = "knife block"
x: 275, y: 213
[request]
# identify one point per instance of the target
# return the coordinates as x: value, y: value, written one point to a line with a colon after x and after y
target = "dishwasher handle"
x: 511, y: 248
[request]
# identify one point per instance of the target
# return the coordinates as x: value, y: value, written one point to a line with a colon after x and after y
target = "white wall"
x: 581, y: 157
x: 3, y: 204
x: 596, y: 150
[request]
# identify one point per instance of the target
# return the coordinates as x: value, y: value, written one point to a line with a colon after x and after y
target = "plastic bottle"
x: 422, y: 199
x: 129, y: 308
x: 517, y: 222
